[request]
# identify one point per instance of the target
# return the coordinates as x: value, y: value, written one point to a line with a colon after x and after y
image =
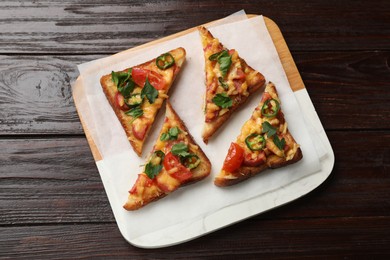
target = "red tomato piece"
x: 234, y: 158
x: 250, y: 161
x: 142, y: 181
x: 239, y: 74
x: 120, y: 102
x: 182, y: 173
x: 139, y: 130
x: 170, y: 161
x: 139, y: 76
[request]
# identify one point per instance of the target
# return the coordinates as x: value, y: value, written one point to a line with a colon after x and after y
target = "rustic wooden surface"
x: 52, y: 201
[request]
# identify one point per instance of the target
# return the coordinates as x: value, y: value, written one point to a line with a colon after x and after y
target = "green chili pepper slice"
x: 157, y: 157
x: 165, y: 61
x: 191, y: 161
x: 134, y: 100
x: 255, y: 142
x: 270, y: 108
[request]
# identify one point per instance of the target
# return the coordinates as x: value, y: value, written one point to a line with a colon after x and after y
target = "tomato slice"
x: 234, y: 158
x: 139, y: 129
x: 139, y: 77
x: 250, y: 161
x: 182, y: 173
x: 142, y: 181
x: 120, y: 102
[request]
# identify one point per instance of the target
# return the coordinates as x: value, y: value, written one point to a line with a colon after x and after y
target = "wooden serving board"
x: 287, y: 61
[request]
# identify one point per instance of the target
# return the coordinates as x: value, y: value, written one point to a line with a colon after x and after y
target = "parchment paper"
x: 120, y: 165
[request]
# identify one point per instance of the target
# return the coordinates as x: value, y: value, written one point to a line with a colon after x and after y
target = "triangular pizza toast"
x: 176, y: 160
x: 229, y: 82
x: 264, y: 142
x: 136, y: 94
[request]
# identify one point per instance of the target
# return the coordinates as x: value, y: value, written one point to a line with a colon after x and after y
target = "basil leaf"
x: 223, y: 83
x: 119, y: 77
x: 222, y: 100
x: 152, y: 170
x: 135, y: 112
x: 173, y: 132
x: 279, y: 143
x: 180, y: 149
x: 127, y: 88
x: 164, y: 137
x: 216, y: 55
x: 269, y: 129
x: 149, y: 92
x: 224, y: 64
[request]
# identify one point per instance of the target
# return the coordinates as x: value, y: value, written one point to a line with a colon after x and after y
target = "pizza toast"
x: 264, y: 142
x: 136, y: 94
x: 176, y: 160
x: 229, y: 82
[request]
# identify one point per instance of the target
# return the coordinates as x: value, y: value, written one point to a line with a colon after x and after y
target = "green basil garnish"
x: 135, y: 112
x: 149, y: 92
x: 154, y: 166
x: 119, y: 77
x: 180, y: 149
x: 172, y: 134
x: 222, y: 100
x: 224, y: 64
x: 269, y: 129
x: 224, y: 60
x: 279, y: 143
x: 224, y: 85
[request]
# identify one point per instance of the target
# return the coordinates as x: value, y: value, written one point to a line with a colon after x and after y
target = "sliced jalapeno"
x: 270, y: 108
x: 134, y: 100
x: 191, y: 161
x: 165, y: 61
x: 255, y: 142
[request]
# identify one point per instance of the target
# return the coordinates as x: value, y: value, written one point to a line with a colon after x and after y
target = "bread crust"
x: 246, y: 172
x: 110, y: 91
x: 272, y: 161
x: 256, y: 81
x: 199, y: 173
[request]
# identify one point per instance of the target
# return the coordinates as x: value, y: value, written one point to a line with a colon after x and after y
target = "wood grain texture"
x: 253, y: 239
x: 36, y: 95
x: 50, y: 181
x: 52, y: 201
x: 56, y: 181
x: 36, y: 98
x: 96, y: 26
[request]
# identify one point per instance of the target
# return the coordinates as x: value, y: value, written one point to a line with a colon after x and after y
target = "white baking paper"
x: 120, y: 165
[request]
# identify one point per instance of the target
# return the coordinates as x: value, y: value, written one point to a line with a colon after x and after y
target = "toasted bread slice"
x: 176, y: 160
x: 229, y: 82
x: 264, y: 142
x: 136, y: 94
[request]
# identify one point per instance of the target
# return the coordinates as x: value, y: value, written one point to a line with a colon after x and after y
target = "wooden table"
x: 52, y: 201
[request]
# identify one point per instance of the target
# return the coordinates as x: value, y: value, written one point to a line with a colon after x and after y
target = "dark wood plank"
x: 56, y: 181
x: 254, y: 239
x: 50, y: 181
x: 97, y: 26
x: 36, y: 95
x: 350, y: 90
x: 35, y: 91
